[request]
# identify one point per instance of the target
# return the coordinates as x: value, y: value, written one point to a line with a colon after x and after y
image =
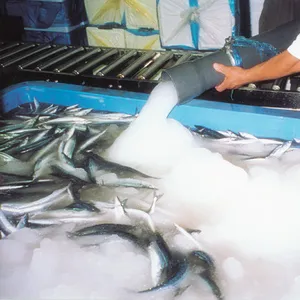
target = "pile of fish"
x: 247, y: 149
x: 53, y: 172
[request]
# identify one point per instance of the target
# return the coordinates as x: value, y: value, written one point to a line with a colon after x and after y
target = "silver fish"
x: 83, y: 112
x: 5, y: 226
x: 64, y: 216
x: 247, y: 136
x: 70, y: 143
x: 36, y: 105
x: 58, y: 199
x: 13, y: 166
x: 136, y: 216
x: 70, y: 107
x: 8, y: 188
x: 70, y: 120
x: 44, y: 151
x: 89, y: 142
x: 203, y: 265
x: 71, y: 171
x: 280, y: 150
x: 127, y: 182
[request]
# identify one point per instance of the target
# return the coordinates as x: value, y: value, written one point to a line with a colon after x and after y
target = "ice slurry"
x: 247, y: 216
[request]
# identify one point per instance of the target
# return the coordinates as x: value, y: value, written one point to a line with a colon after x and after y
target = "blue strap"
x: 262, y: 48
x: 195, y: 27
x: 232, y: 7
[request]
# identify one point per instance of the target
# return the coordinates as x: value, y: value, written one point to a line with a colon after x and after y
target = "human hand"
x: 234, y: 77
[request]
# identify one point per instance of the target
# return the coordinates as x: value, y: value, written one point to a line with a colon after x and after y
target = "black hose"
x: 191, y: 79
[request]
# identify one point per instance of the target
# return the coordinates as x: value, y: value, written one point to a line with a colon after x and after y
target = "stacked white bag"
x: 141, y: 14
x: 122, y: 38
x: 138, y: 39
x: 134, y: 13
x: 102, y: 12
x: 196, y: 24
x: 136, y: 19
x: 175, y: 26
x: 142, y: 25
x: 113, y: 38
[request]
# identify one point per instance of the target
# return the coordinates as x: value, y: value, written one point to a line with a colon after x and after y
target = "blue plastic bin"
x: 262, y: 122
x: 48, y: 13
x: 59, y: 35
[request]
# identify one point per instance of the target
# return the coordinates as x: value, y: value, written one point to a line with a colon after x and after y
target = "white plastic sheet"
x: 205, y: 25
x: 216, y: 23
x: 106, y: 37
x: 175, y: 29
x: 141, y: 14
x: 102, y: 12
x: 134, y: 13
x: 146, y: 42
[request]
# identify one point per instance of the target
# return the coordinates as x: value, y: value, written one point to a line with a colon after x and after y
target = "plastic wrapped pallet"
x: 141, y: 14
x: 103, y: 12
x: 216, y: 19
x: 106, y: 37
x: 44, y: 14
x: 74, y: 35
x: 174, y: 32
x: 143, y: 40
x: 197, y: 24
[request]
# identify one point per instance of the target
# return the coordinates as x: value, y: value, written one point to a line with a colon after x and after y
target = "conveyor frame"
x: 14, y: 69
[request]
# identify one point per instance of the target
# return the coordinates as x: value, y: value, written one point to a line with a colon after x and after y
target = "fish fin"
x: 36, y: 105
x: 81, y: 205
x: 191, y: 230
x: 31, y: 107
x: 122, y: 203
x: 156, y: 197
x: 70, y: 191
x: 296, y: 141
x: 188, y: 235
x: 36, y: 120
x: 247, y: 136
x: 180, y: 291
x: 137, y: 112
x: 280, y: 150
x: 70, y: 234
x: 23, y: 222
x: 119, y: 208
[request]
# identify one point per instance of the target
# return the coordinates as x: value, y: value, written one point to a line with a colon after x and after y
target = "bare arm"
x: 281, y: 65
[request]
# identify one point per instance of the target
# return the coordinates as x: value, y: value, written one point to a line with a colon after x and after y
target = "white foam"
x: 233, y: 268
x: 255, y: 216
x: 153, y: 148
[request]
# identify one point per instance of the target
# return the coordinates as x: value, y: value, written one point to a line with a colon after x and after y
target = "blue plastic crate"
x: 63, y: 36
x: 262, y: 122
x: 48, y: 13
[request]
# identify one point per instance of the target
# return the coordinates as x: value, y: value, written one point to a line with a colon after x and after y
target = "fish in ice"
x: 58, y: 199
x: 57, y: 153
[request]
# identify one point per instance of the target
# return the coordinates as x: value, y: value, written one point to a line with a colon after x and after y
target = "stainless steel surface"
x: 39, y: 58
x: 55, y: 60
x: 118, y: 62
x: 99, y: 58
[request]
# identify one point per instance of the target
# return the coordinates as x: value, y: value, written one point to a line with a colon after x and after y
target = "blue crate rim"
x: 260, y: 121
